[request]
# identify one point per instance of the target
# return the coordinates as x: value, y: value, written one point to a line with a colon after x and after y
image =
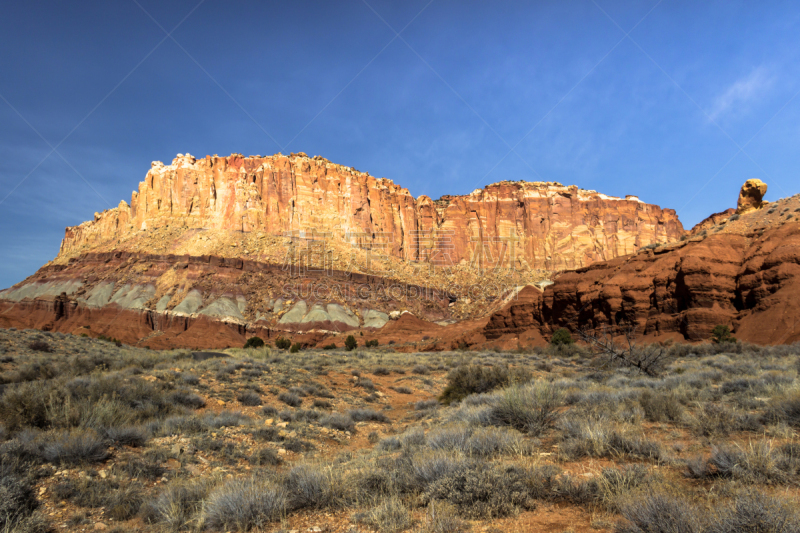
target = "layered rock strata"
x: 538, y: 225
x: 745, y: 274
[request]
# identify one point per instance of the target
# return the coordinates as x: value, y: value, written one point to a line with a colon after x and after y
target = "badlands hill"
x: 210, y: 251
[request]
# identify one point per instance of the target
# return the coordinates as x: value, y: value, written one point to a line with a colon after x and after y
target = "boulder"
x: 751, y: 196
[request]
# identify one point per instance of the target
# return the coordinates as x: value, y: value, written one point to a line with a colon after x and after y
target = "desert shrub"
x: 190, y: 379
x: 423, y: 405
x: 482, y: 490
x: 225, y: 419
x: 473, y: 379
x: 601, y: 437
x: 338, y: 421
x: 785, y: 410
x: 381, y: 371
x: 40, y: 346
x: 660, y: 407
x: 311, y: 488
x: 372, y: 344
x: 402, y: 390
x: 757, y: 513
x: 298, y: 445
x: 17, y: 501
x: 265, y: 456
x: 133, y: 436
x: 561, y: 337
x: 422, y: 370
x: 121, y: 501
x: 368, y: 415
x: 476, y: 442
x: 26, y: 405
x: 390, y: 516
x: 722, y: 334
x: 249, y: 398
x: 140, y: 468
x: 659, y: 513
x: 350, y: 343
x: 254, y: 342
x: 441, y: 517
x: 282, y: 343
x: 291, y: 399
x: 244, y: 505
x: 759, y: 462
x: 36, y: 522
x: 531, y: 408
x: 612, y: 487
x: 76, y: 447
x: 713, y: 420
x: 269, y: 411
x: 321, y: 404
x: 295, y: 348
x: 331, y: 346
x: 365, y: 383
x: 187, y: 399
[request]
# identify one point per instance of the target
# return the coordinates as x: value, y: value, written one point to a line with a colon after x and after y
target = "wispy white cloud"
x: 742, y: 92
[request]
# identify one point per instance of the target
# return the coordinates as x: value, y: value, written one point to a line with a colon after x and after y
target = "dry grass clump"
x: 243, y: 504
x: 750, y: 511
x: 602, y: 437
x: 758, y: 462
x: 390, y: 516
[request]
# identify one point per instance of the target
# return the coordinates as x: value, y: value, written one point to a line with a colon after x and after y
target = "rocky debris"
x: 751, y: 196
x: 538, y: 225
x: 713, y: 220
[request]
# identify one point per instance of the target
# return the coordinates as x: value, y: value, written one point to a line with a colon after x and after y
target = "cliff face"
x: 519, y: 224
x: 745, y: 274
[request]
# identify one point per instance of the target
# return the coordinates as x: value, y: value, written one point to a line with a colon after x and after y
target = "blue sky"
x: 676, y: 102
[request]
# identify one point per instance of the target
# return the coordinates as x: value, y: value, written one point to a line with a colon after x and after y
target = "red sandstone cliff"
x: 530, y: 225
x: 745, y: 274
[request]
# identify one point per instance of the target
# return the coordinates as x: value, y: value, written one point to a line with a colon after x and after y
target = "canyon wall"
x: 743, y: 273
x: 538, y: 225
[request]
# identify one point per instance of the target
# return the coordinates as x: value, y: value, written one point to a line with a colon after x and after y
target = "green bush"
x: 295, y: 348
x: 350, y: 343
x: 562, y: 337
x: 282, y: 343
x: 330, y: 346
x: 254, y: 342
x: 721, y: 334
x: 473, y: 379
x: 372, y: 344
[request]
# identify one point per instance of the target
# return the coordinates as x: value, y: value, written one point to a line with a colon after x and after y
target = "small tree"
x: 562, y: 337
x: 649, y: 359
x: 254, y: 342
x: 372, y: 344
x: 295, y: 348
x: 350, y: 343
x: 722, y: 334
x: 282, y: 343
